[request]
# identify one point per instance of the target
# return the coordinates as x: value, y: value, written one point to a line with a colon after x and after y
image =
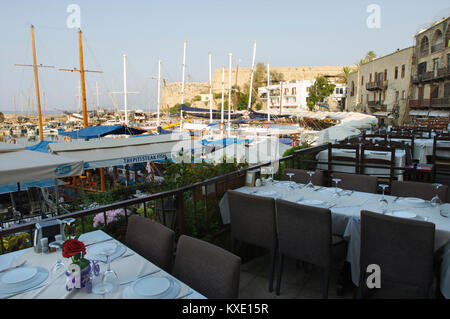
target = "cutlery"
x: 14, y: 267
x: 396, y: 199
x: 318, y: 189
x: 134, y: 279
x: 186, y: 294
x: 23, y: 291
x: 332, y: 206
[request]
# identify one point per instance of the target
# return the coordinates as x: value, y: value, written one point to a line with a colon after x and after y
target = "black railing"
x: 221, y: 184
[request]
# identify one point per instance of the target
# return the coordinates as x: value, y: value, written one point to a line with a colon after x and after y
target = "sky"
x: 288, y: 33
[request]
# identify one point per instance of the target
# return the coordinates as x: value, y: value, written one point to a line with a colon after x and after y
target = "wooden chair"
x: 375, y: 163
x: 351, y: 158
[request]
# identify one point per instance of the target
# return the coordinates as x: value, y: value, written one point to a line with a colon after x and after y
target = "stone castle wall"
x: 171, y: 93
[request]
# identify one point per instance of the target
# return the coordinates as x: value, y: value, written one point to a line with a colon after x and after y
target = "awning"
x: 101, y: 131
x: 23, y: 186
x: 439, y: 114
x: 114, y: 152
x: 381, y: 114
x: 419, y: 113
x: 27, y: 166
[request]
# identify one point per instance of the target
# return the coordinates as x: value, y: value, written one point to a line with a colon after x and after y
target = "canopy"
x: 26, y: 166
x: 100, y: 131
x: 114, y: 152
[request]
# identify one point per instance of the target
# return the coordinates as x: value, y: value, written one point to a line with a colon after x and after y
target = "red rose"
x: 73, y: 247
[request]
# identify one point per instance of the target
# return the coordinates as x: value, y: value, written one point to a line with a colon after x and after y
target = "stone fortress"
x: 171, y: 93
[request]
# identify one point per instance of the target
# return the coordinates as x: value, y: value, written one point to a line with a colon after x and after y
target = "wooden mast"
x: 82, y: 81
x: 36, y: 84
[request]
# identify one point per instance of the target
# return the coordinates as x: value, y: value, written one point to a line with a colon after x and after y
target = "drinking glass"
x: 310, y: 184
x: 336, y: 182
x: 110, y: 280
x: 290, y: 180
x: 383, y: 201
x: 436, y: 201
x: 59, y: 268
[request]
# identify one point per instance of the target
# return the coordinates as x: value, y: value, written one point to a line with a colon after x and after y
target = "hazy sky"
x: 288, y: 33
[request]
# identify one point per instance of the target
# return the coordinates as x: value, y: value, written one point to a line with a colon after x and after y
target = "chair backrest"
x: 403, y: 248
x: 360, y: 183
x: 301, y: 176
x: 252, y: 219
x: 387, y: 163
x: 441, y: 151
x: 151, y: 240
x: 210, y: 270
x: 304, y: 232
x: 401, y: 141
x: 347, y: 158
x: 419, y: 190
x: 21, y: 201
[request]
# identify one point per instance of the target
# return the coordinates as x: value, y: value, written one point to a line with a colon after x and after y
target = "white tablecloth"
x: 126, y: 268
x: 400, y: 161
x: 346, y: 214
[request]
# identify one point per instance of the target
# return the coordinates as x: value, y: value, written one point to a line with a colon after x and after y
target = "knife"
x: 13, y: 267
x: 98, y: 242
x: 134, y: 279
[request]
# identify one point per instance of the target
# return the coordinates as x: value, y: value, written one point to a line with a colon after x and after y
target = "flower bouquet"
x: 79, y: 271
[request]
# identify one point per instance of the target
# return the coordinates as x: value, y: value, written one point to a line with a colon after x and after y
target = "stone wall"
x: 171, y: 93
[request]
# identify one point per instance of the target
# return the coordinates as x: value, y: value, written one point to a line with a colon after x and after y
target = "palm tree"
x: 370, y: 56
x: 346, y: 70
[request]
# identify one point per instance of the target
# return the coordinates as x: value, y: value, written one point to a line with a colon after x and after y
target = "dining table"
x: 132, y: 270
x: 346, y: 207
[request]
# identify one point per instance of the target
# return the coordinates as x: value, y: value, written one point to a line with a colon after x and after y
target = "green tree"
x: 260, y: 80
x: 320, y: 90
x: 346, y: 70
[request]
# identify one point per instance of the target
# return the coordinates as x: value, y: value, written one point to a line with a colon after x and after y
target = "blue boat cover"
x: 100, y: 131
x: 23, y: 186
x: 42, y: 147
x: 224, y: 142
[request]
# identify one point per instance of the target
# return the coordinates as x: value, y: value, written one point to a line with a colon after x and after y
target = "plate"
x: 402, y: 214
x: 170, y: 293
x: 40, y: 277
x: 18, y: 275
x: 93, y: 252
x: 312, y: 202
x: 411, y: 201
x: 151, y: 286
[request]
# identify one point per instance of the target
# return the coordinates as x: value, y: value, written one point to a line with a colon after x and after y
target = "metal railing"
x: 221, y: 184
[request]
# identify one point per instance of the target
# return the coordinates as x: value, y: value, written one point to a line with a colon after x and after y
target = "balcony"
x: 442, y: 73
x: 377, y: 106
x: 377, y: 85
x: 437, y: 47
x: 419, y: 103
x: 441, y: 102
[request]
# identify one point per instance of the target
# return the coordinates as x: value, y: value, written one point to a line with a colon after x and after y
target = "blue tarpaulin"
x: 101, y: 131
x: 23, y: 186
x: 40, y: 147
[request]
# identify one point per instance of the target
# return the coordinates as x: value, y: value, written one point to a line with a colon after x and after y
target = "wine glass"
x: 336, y: 189
x: 383, y: 201
x: 59, y: 268
x: 310, y: 184
x: 110, y: 280
x: 436, y: 201
x: 290, y: 179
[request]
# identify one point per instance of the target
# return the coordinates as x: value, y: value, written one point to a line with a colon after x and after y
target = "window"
x: 362, y: 80
x: 294, y: 91
x: 403, y: 95
x: 385, y: 74
x: 370, y: 77
x: 403, y: 71
x: 396, y: 95
x: 396, y: 73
